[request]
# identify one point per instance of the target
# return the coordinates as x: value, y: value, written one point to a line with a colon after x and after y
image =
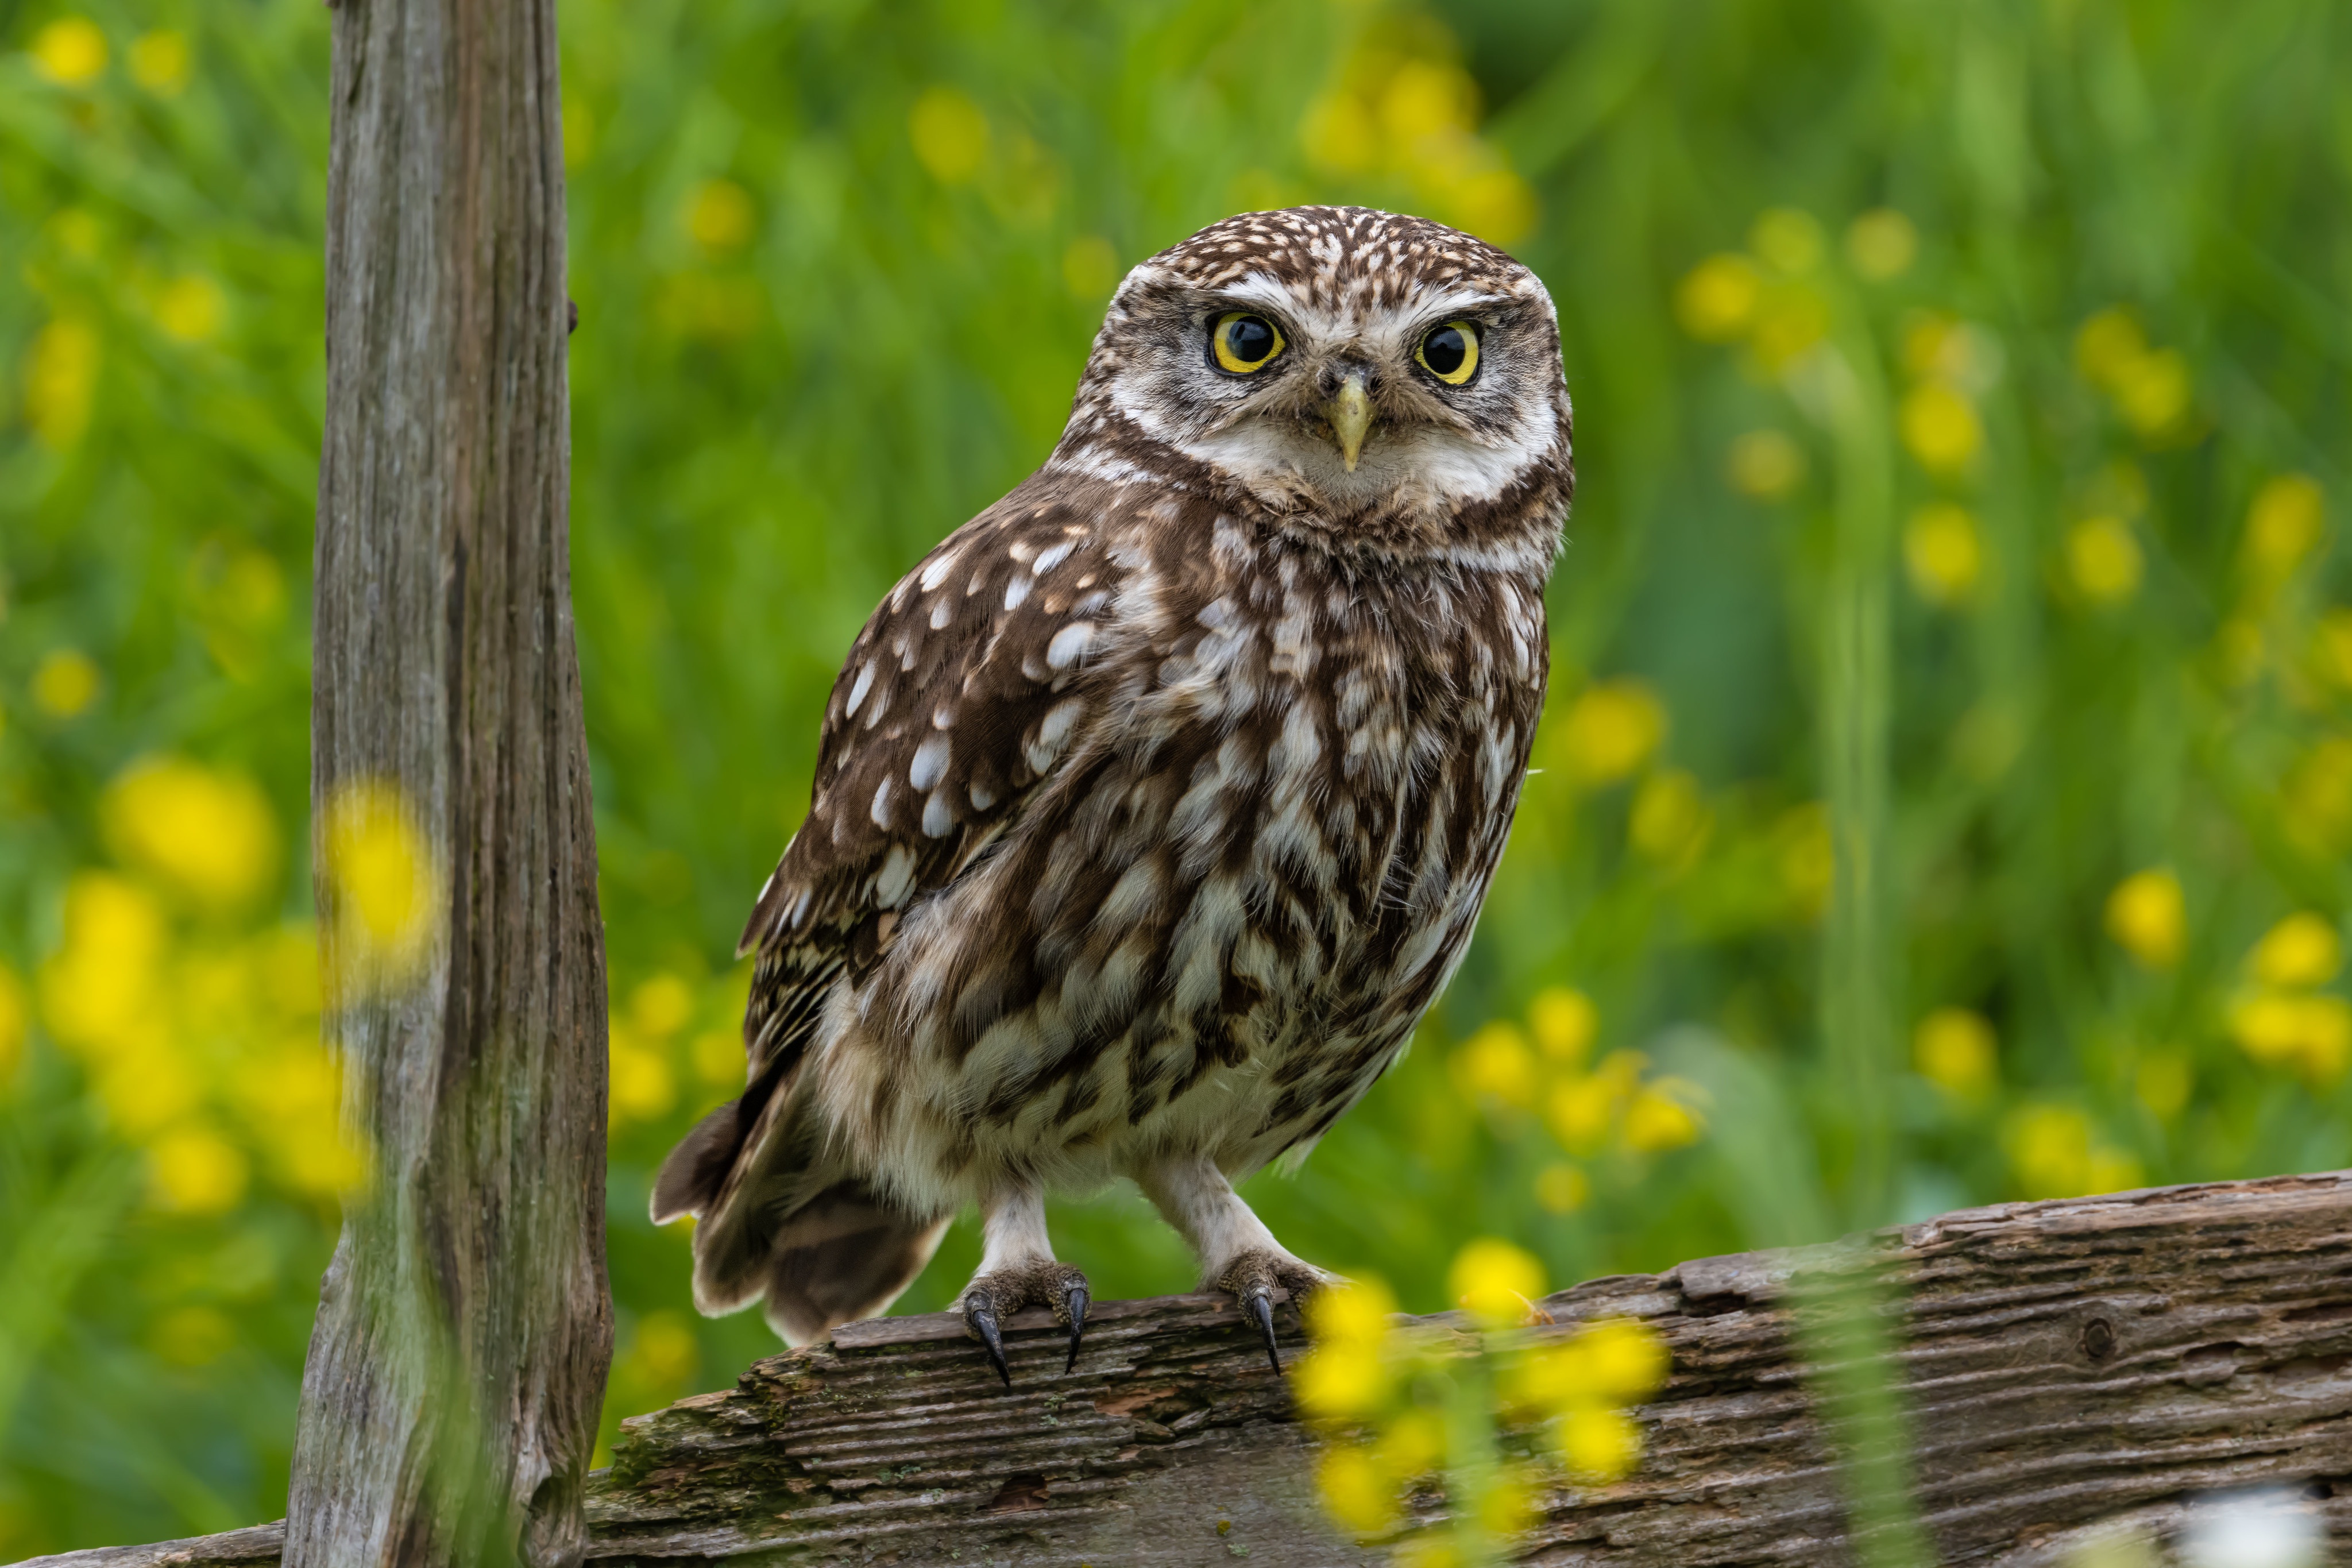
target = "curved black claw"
x: 1258, y: 1304
x: 979, y: 1316
x: 1075, y: 1299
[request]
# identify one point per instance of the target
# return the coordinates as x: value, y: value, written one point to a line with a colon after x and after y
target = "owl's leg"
x: 1237, y: 1253
x: 1016, y: 1270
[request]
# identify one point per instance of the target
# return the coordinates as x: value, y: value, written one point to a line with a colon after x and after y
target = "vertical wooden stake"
x: 450, y: 1401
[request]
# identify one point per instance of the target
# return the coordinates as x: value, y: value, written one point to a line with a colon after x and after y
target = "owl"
x: 1155, y: 806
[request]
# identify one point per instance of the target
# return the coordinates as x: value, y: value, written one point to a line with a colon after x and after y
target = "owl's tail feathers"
x: 824, y: 1249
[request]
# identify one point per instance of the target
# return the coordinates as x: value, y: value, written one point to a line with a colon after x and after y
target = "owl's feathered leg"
x: 1237, y: 1253
x: 1017, y: 1270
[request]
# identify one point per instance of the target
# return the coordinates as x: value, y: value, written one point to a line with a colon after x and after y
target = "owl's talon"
x: 1257, y: 1305
x: 979, y: 1318
x: 1073, y: 1307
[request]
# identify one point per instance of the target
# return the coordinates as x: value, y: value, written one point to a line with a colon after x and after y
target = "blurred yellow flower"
x: 387, y: 886
x: 2102, y: 560
x: 208, y: 834
x: 1564, y: 1022
x: 98, y: 985
x: 2054, y: 1153
x: 1411, y: 1443
x: 2331, y: 649
x: 1508, y: 1505
x: 2106, y: 346
x: 2148, y: 915
x: 1340, y: 1380
x: 2318, y: 797
x: 1578, y: 1111
x: 950, y: 133
x: 70, y: 51
x: 13, y: 1026
x: 1954, y: 1049
x: 644, y: 1087
x: 718, y: 215
x: 197, y: 1172
x: 1495, y: 204
x: 1495, y: 1064
x: 1496, y: 1282
x: 718, y: 1057
x: 60, y: 373
x: 192, y: 1336
x: 1358, y: 1495
x: 1562, y: 1188
x: 1090, y: 268
x: 1600, y: 1445
x: 2302, y: 950
x: 1787, y: 240
x: 1789, y: 320
x: 1341, y: 134
x: 1766, y: 464
x: 159, y: 61
x: 1943, y: 553
x: 1670, y: 818
x: 1882, y: 244
x: 1609, y: 730
x: 1356, y: 1312
x: 662, y: 1352
x: 2162, y: 1082
x: 189, y: 309
x: 2311, y: 1034
x: 65, y: 683
x: 1940, y: 429
x: 2152, y: 392
x: 1433, y: 1551
x: 1655, y: 1122
x: 2284, y: 524
x: 1717, y: 298
x: 662, y: 1004
x: 1625, y: 1359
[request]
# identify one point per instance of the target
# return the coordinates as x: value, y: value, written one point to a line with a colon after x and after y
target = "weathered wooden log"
x: 2067, y: 1367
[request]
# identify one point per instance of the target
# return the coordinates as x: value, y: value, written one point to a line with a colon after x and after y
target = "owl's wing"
x: 953, y: 707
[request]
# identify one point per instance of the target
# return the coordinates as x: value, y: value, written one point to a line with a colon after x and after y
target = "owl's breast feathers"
x: 1117, y: 787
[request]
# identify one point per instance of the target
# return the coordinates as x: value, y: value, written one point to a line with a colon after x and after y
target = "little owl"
x: 1155, y: 806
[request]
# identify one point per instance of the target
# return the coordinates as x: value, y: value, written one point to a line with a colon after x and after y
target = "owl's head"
x: 1371, y: 378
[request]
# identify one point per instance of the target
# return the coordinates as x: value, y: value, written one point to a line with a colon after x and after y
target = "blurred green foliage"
x: 1948, y: 777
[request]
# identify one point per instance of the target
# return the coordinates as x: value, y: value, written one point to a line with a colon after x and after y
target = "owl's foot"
x: 1043, y: 1282
x: 1252, y: 1278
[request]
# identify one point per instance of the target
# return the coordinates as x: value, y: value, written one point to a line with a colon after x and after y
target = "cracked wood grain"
x: 2067, y: 1367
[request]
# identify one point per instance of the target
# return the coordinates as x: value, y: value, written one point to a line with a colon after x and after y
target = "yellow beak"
x: 1350, y: 414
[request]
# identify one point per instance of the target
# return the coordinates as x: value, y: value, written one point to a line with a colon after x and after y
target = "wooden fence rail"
x: 2067, y: 1367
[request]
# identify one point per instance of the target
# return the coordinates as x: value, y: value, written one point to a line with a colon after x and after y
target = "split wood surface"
x: 2067, y: 1367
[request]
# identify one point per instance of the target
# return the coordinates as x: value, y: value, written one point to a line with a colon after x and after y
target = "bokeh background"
x: 1948, y: 774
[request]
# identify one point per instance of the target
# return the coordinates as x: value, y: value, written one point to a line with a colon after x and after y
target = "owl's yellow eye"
x: 1242, y: 343
x: 1450, y: 352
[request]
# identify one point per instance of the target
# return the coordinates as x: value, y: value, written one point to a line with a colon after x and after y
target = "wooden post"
x: 450, y: 1401
x: 2071, y: 1370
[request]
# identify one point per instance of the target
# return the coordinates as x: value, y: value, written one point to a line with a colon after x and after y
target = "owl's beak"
x: 1350, y: 414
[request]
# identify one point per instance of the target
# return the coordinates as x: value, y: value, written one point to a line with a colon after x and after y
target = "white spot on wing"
x: 865, y: 684
x: 880, y: 810
x: 1049, y: 559
x: 897, y: 872
x: 1069, y: 645
x: 1016, y: 591
x: 937, y: 820
x: 930, y: 762
x: 936, y: 572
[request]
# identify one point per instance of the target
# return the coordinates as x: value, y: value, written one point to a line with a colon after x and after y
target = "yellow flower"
x: 643, y: 1086
x: 1625, y: 1360
x: 950, y: 133
x: 1562, y: 1188
x: 718, y: 215
x: 2318, y: 795
x: 1954, y: 1049
x: 2331, y: 649
x: 2054, y: 1153
x: 1943, y: 553
x: 1789, y: 318
x: 2301, y: 950
x: 386, y: 884
x: 70, y: 51
x: 2310, y: 1033
x: 1355, y: 1491
x: 1357, y: 1313
x: 2107, y: 345
x: 189, y: 309
x: 159, y: 61
x: 1578, y: 1111
x: 1340, y: 1381
x: 2102, y: 560
x: 661, y: 1006
x: 98, y: 984
x: 197, y: 1172
x: 2163, y: 1081
x: 1655, y: 1122
x: 1495, y: 204
x: 718, y: 1057
x: 1940, y: 429
x: 1882, y: 244
x: 2152, y: 392
x: 1341, y: 135
x: 1600, y: 1445
x: 65, y: 683
x: 1495, y: 1064
x: 2148, y: 915
x: 1437, y: 1549
x: 1411, y: 1445
x: 60, y: 375
x: 192, y: 1336
x: 1564, y: 1022
x: 208, y: 834
x: 1717, y: 298
x: 1508, y: 1505
x: 13, y: 1026
x: 1495, y: 1281
x: 1609, y: 730
x: 1766, y: 464
x: 1090, y: 268
x: 1787, y: 238
x: 1670, y: 819
x: 2284, y: 524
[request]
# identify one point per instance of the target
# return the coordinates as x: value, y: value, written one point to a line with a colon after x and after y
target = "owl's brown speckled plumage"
x: 1157, y: 803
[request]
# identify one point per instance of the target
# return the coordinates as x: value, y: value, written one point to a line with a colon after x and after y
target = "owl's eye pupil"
x: 1249, y: 339
x: 1444, y: 350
